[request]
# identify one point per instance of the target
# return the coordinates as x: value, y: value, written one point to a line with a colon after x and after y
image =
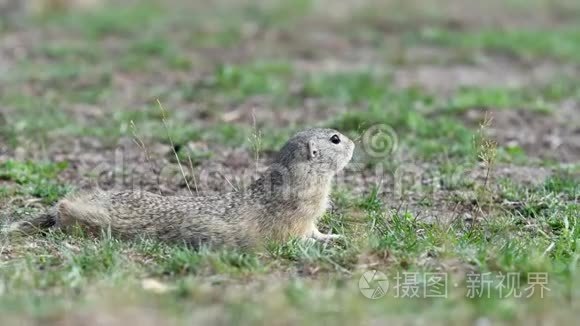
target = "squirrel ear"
x: 312, y: 149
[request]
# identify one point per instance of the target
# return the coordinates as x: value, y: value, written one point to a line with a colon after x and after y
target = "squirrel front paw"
x: 319, y: 236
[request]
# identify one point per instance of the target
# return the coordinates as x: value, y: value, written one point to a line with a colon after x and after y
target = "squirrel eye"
x: 335, y: 139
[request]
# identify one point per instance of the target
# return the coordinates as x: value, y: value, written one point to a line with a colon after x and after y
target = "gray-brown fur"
x: 285, y: 202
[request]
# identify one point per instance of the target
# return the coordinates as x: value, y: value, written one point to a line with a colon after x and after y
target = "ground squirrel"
x: 285, y: 202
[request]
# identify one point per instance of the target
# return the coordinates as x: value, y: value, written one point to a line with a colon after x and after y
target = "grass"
x: 239, y: 82
x: 107, y: 21
x: 97, y: 76
x: 395, y: 242
x: 33, y: 179
x: 529, y: 44
x: 370, y: 97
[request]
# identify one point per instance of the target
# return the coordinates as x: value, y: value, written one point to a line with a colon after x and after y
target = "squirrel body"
x: 285, y: 202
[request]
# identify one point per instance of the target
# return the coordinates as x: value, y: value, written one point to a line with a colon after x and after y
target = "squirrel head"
x: 319, y: 151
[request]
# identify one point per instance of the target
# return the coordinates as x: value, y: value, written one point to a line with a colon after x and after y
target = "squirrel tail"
x: 35, y: 225
x: 83, y: 210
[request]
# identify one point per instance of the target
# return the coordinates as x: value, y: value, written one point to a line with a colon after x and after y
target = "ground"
x: 466, y: 117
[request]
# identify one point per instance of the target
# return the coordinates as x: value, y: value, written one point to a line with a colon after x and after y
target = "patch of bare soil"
x: 542, y: 136
x: 496, y: 72
x: 128, y: 166
x: 452, y: 13
x: 482, y: 14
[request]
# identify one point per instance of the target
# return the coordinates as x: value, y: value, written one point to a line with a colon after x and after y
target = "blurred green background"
x: 80, y: 80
